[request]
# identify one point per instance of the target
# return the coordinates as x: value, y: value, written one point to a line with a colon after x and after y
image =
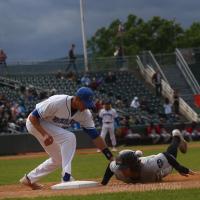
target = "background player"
x: 108, y: 116
x: 130, y: 168
x: 47, y: 123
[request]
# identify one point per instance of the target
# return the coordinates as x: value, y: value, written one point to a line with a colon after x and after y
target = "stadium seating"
x: 126, y: 87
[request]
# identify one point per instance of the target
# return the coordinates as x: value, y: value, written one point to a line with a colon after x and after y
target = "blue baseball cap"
x: 86, y: 95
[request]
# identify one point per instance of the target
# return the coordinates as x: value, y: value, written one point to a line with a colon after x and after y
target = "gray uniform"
x: 153, y: 169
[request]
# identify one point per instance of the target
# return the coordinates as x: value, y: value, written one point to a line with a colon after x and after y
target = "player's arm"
x: 176, y: 165
x: 34, y: 118
x: 99, y: 142
x: 107, y: 176
x: 89, y: 128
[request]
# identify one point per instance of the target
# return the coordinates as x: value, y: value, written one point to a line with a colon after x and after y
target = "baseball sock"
x: 66, y: 177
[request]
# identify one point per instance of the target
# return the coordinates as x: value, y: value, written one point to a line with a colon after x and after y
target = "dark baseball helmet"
x: 128, y: 159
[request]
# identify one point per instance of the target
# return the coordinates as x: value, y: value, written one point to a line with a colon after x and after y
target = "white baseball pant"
x: 61, y: 151
x: 109, y: 128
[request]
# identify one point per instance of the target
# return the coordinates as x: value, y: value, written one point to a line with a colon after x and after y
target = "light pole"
x: 84, y: 36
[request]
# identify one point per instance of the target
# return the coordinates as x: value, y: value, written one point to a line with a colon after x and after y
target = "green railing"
x: 46, y: 67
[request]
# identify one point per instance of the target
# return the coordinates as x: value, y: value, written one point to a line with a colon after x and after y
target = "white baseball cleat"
x: 183, y: 143
x: 26, y: 181
x: 114, y: 149
x: 98, y: 150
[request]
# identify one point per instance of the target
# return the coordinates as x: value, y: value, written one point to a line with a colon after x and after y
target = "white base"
x: 74, y: 184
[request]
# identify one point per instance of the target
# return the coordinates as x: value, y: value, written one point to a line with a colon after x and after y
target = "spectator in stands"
x: 21, y: 125
x: 157, y: 81
x: 139, y: 119
x: 10, y: 113
x: 2, y: 121
x: 132, y: 137
x: 176, y: 102
x: 191, y: 131
x: 2, y: 99
x: 3, y: 58
x: 144, y: 104
x: 119, y: 103
x: 52, y: 92
x: 194, y: 130
x: 85, y: 80
x: 59, y: 75
x: 110, y: 78
x: 71, y: 76
x: 123, y: 130
x: 165, y: 135
x: 98, y: 104
x: 5, y: 115
x: 119, y: 57
x: 44, y: 94
x: 185, y: 131
x: 22, y: 92
x: 135, y: 104
x: 127, y: 132
x: 18, y: 110
x: 153, y: 133
x: 167, y: 110
x: 31, y: 93
x: 72, y: 59
x: 94, y: 83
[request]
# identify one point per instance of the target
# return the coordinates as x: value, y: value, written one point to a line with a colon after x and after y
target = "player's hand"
x: 48, y: 140
x: 189, y: 173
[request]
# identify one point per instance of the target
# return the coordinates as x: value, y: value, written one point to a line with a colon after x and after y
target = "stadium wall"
x: 24, y: 143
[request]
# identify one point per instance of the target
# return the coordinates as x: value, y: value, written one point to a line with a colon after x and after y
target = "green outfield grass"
x: 189, y: 194
x: 92, y: 166
x: 84, y: 166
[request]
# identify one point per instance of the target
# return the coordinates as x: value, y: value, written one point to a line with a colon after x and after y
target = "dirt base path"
x: 173, y: 182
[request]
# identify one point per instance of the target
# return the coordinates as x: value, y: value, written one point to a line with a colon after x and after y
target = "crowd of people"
x: 13, y: 114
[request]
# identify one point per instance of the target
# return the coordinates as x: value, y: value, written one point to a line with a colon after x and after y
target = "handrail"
x: 158, y: 66
x: 192, y: 79
x: 139, y: 62
x: 13, y: 83
x: 168, y: 92
x: 185, y: 74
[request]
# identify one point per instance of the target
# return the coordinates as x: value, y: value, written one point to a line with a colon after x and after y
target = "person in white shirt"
x: 135, y: 103
x: 108, y: 116
x: 167, y: 109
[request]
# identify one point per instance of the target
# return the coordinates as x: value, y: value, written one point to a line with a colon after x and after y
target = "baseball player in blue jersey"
x: 47, y: 122
x: 131, y: 167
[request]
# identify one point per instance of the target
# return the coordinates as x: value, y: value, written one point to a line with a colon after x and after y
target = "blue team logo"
x: 159, y: 163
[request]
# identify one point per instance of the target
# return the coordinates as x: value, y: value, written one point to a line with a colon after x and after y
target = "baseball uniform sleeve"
x: 86, y: 121
x: 101, y: 113
x: 107, y: 176
x: 115, y: 113
x: 46, y: 108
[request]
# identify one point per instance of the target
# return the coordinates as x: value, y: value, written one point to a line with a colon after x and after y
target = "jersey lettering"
x: 159, y: 163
